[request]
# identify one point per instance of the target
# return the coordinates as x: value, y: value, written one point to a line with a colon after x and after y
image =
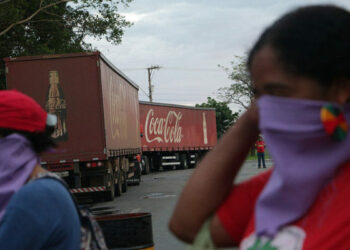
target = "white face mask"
x: 305, y: 156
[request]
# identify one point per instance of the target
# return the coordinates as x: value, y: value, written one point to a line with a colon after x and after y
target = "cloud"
x: 196, y: 34
x: 134, y: 16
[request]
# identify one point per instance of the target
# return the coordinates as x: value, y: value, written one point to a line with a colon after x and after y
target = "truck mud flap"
x: 88, y: 189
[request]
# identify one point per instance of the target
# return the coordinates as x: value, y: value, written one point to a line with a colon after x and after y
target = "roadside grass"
x: 255, y: 157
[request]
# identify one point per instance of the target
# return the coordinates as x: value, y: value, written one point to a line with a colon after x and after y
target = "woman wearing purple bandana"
x: 35, y: 213
x: 300, y: 68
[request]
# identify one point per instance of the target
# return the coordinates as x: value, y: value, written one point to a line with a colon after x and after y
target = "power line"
x: 143, y: 91
x: 191, y: 69
x: 178, y: 69
x: 133, y: 69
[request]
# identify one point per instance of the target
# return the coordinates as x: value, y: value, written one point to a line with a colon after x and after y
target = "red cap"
x: 20, y: 112
x: 138, y: 158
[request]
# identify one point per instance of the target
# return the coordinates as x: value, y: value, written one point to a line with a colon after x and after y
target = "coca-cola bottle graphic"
x: 205, y: 133
x: 56, y: 104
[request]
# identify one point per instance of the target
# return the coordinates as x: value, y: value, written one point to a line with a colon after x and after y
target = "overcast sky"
x: 188, y: 39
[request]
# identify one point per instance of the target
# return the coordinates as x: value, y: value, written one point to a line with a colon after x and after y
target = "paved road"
x: 158, y: 194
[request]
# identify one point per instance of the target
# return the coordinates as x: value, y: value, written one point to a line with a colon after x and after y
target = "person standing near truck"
x: 34, y: 213
x: 260, y: 148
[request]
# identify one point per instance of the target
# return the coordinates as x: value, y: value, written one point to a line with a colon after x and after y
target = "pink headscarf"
x: 17, y: 162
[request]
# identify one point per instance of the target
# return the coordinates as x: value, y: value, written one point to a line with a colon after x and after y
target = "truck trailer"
x: 175, y: 135
x: 97, y: 109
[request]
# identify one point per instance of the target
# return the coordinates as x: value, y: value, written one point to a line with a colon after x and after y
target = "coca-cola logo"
x: 163, y: 129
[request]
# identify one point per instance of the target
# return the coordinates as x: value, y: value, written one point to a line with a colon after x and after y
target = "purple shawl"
x: 305, y: 158
x: 17, y: 161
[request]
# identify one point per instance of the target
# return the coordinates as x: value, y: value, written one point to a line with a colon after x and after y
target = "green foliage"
x: 240, y: 92
x: 254, y: 156
x: 56, y: 26
x: 224, y: 116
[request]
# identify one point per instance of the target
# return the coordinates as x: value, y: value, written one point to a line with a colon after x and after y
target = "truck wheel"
x: 145, y: 164
x: 197, y: 159
x: 136, y: 179
x: 118, y: 186
x: 125, y: 182
x: 137, y: 175
x: 111, y: 193
x: 156, y: 162
x: 183, y: 161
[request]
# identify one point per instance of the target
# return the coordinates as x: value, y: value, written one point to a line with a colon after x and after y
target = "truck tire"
x: 156, y: 162
x: 125, y: 182
x: 197, y: 159
x: 136, y: 179
x: 118, y: 186
x: 137, y: 175
x: 184, y: 161
x: 111, y: 193
x: 146, y: 166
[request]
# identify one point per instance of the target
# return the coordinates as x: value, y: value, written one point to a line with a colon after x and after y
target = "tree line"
x: 240, y: 93
x: 39, y: 27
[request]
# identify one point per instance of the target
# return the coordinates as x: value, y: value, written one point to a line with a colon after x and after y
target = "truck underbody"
x: 168, y: 160
x: 100, y: 178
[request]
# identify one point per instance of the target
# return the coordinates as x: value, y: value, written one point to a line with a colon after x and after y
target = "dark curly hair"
x: 311, y: 41
x: 41, y: 141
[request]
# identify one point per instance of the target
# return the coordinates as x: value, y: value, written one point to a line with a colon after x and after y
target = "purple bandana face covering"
x: 17, y: 161
x: 305, y: 157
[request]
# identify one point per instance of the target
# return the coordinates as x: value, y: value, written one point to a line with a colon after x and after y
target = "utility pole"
x: 149, y: 70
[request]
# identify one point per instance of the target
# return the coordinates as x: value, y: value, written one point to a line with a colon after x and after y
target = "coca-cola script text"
x: 163, y: 129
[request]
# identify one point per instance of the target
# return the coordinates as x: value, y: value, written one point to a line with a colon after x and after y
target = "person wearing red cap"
x: 35, y: 213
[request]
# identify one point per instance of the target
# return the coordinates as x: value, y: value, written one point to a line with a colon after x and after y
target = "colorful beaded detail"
x: 334, y: 122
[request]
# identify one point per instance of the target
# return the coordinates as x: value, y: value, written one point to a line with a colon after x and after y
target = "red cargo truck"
x: 174, y: 135
x: 98, y: 118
